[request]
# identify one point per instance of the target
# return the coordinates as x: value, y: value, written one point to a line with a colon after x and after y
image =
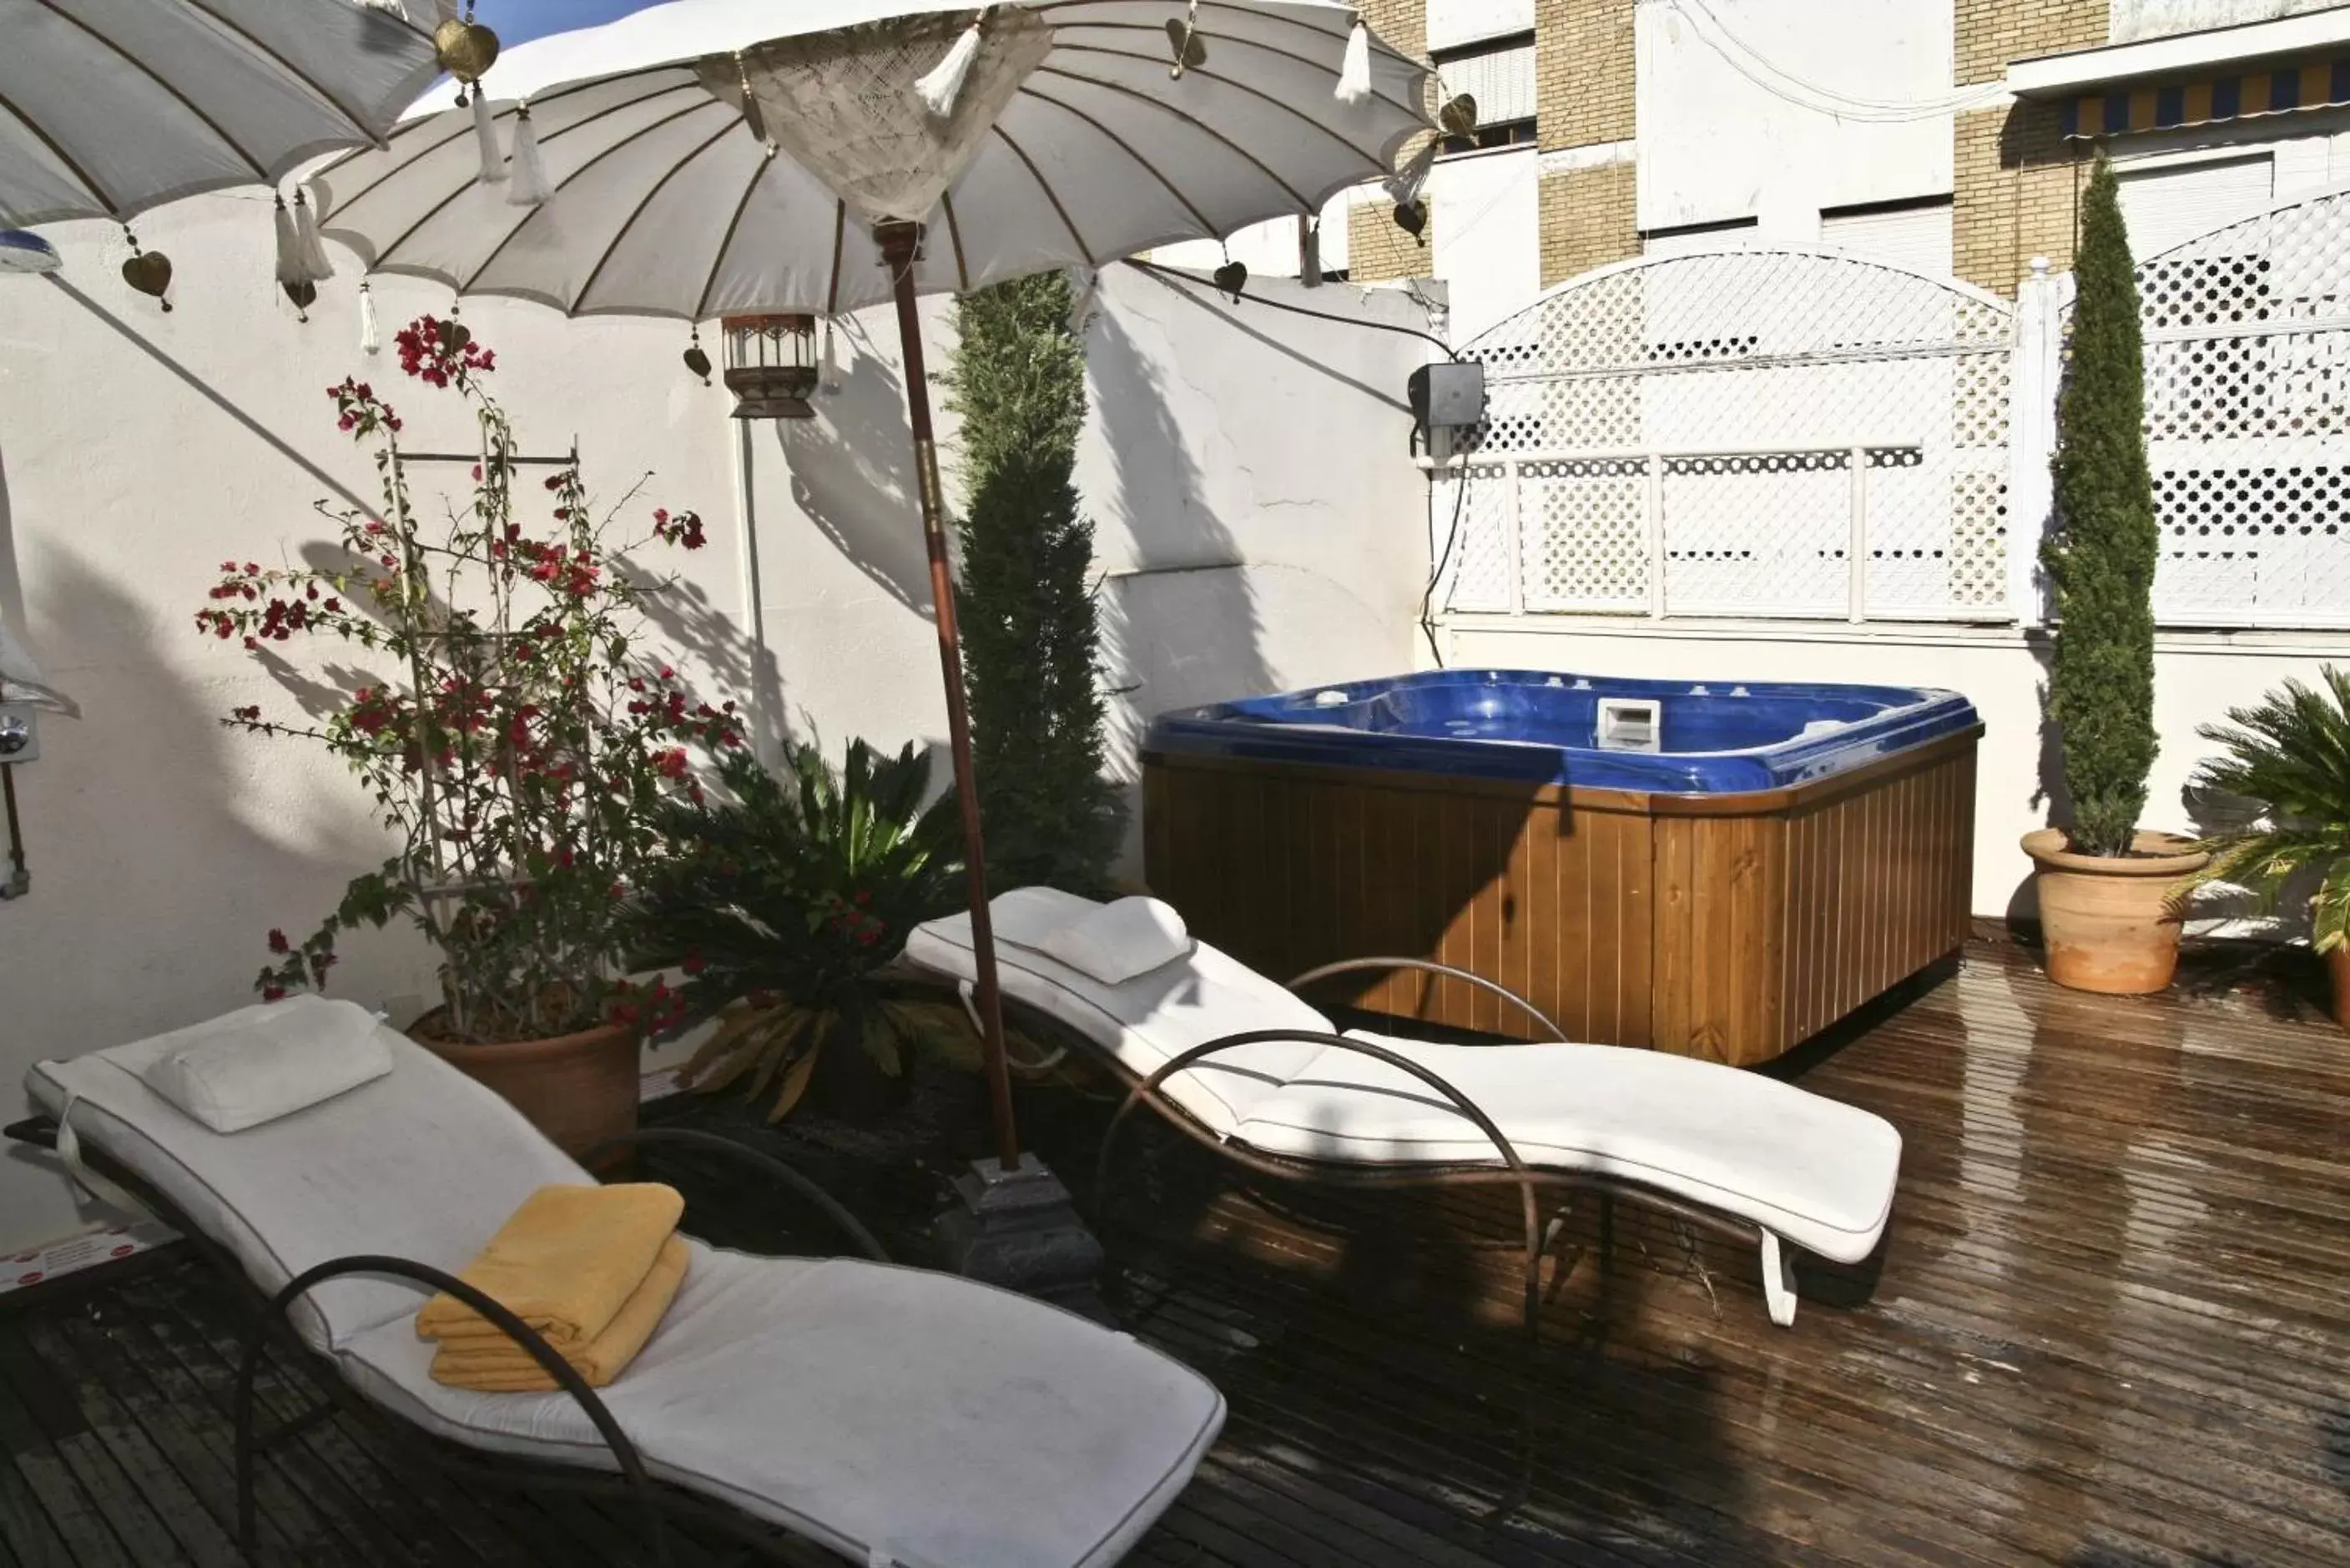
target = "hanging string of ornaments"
x: 467, y: 50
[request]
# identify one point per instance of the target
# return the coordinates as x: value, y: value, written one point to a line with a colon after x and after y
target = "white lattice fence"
x: 2247, y: 418
x: 1742, y: 433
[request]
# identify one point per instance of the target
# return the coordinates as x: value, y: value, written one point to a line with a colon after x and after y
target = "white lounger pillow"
x: 1120, y: 939
x: 263, y: 1062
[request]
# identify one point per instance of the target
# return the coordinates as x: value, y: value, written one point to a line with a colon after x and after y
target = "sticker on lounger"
x: 19, y: 1271
x: 1334, y: 698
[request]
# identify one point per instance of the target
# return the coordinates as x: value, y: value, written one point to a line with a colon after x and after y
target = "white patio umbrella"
x: 110, y: 106
x: 710, y: 158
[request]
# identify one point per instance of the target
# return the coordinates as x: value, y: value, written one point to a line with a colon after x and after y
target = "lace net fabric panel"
x: 2248, y: 419
x: 1740, y: 384
x: 842, y: 103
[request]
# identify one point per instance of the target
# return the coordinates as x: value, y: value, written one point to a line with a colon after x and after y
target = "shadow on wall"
x: 1181, y: 625
x: 852, y: 470
x: 148, y: 865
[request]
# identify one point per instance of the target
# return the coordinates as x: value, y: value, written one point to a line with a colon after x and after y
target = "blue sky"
x: 515, y: 20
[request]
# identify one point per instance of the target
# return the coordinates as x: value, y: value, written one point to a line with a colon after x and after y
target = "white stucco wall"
x: 2198, y: 677
x: 1717, y: 143
x: 1452, y: 23
x: 138, y: 450
x: 1484, y: 210
x: 2127, y: 21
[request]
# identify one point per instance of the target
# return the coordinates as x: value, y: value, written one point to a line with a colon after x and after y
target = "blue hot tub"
x: 1720, y: 869
x: 1713, y: 737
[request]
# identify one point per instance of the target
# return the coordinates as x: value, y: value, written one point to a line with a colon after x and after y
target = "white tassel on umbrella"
x: 485, y: 136
x: 371, y: 335
x: 943, y: 84
x: 1404, y: 185
x: 1355, y: 66
x: 289, y: 253
x: 308, y: 248
x: 530, y: 185
x: 828, y: 379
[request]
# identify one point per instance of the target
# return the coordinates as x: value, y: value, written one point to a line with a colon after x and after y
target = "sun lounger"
x: 892, y: 1415
x: 1249, y: 1068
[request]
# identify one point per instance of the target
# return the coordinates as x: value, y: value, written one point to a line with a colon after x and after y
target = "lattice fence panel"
x: 1747, y: 379
x: 1584, y: 533
x: 1758, y: 534
x: 1479, y: 569
x: 2247, y: 418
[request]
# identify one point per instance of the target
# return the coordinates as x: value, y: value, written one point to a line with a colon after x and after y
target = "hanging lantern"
x: 771, y: 366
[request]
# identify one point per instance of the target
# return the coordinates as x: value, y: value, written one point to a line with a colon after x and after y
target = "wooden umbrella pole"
x: 899, y: 242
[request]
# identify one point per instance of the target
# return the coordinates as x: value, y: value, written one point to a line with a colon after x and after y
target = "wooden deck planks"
x: 2112, y: 1331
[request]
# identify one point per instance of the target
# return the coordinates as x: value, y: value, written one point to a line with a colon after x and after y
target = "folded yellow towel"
x: 506, y: 1368
x: 565, y: 1263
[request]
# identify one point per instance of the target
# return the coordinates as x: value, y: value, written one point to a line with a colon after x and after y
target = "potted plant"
x: 514, y: 741
x: 2290, y: 757
x: 784, y: 904
x: 2109, y: 891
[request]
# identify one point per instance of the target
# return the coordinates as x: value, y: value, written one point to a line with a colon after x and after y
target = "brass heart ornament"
x: 1458, y: 115
x: 1230, y: 278
x: 454, y: 335
x: 699, y: 363
x: 466, y: 48
x: 1190, y: 49
x: 149, y: 272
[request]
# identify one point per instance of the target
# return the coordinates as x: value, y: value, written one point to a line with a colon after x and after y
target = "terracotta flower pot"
x: 578, y: 1089
x: 2110, y: 921
x: 2337, y: 970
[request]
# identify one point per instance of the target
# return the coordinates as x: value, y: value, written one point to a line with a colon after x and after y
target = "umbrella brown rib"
x: 88, y: 180
x: 349, y: 114
x: 900, y: 244
x: 464, y: 129
x: 839, y: 244
x: 1196, y: 124
x: 1045, y: 185
x: 1121, y: 143
x: 628, y: 141
x: 589, y: 287
x: 143, y: 69
x: 954, y: 236
x: 1288, y: 108
x: 726, y: 242
x: 1231, y: 40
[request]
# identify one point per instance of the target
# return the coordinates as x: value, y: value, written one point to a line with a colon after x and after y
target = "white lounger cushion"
x: 1818, y: 1172
x: 1147, y: 1021
x: 942, y: 1423
x: 422, y: 1163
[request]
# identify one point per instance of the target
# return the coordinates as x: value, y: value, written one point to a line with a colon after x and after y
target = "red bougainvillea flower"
x: 277, y: 943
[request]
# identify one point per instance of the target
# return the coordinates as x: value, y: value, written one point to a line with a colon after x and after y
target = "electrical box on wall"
x: 20, y: 735
x: 1448, y: 396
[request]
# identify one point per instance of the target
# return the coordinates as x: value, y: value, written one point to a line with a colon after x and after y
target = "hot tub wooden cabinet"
x: 1729, y: 924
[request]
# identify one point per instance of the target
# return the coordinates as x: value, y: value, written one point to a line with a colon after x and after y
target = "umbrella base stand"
x: 1021, y: 1231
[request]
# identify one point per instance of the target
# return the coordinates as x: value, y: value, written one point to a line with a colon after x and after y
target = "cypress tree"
x: 1031, y: 645
x: 2100, y: 559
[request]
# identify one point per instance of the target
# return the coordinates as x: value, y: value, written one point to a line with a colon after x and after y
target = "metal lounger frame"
x: 1531, y: 1179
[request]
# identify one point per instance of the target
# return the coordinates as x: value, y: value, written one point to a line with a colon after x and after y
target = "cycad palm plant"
x: 2291, y: 753
x: 783, y: 909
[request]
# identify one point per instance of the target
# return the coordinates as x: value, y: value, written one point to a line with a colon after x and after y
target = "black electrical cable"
x: 1428, y: 594
x: 1200, y: 283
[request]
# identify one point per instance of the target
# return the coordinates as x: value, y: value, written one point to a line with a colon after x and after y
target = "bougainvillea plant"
x: 513, y: 735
